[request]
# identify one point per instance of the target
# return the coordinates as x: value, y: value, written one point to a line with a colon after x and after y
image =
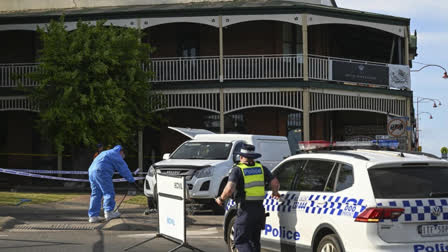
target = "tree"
x: 92, y: 86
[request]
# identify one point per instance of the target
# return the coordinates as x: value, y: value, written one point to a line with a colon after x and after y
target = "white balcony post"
x: 306, y: 114
x: 305, y: 46
x: 221, y: 110
x: 221, y: 51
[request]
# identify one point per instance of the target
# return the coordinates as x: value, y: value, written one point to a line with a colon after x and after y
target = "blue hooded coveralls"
x: 100, y: 176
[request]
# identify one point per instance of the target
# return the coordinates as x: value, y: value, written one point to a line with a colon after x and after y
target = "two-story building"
x: 308, y: 69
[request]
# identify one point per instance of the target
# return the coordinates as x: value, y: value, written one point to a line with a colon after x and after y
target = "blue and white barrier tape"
x: 27, y: 174
x: 64, y: 172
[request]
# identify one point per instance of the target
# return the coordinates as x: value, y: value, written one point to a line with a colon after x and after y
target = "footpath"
x: 72, y: 215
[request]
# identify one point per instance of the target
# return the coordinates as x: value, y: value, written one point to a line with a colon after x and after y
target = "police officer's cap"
x: 248, y: 151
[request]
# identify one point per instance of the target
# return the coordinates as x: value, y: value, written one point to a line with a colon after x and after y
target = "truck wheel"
x: 217, y: 209
x: 330, y: 243
x: 230, y: 236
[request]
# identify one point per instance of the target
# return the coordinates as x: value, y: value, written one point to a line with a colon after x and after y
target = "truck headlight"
x: 151, y: 171
x: 204, y: 172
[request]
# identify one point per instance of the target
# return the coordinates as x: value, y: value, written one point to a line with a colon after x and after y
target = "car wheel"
x: 330, y: 243
x: 230, y: 236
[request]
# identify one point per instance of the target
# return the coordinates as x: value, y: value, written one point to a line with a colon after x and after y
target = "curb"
x: 7, y: 222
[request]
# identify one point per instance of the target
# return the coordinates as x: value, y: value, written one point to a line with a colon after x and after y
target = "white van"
x: 206, y: 159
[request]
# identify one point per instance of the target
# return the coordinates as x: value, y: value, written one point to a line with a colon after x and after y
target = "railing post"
x: 221, y: 51
x: 305, y: 46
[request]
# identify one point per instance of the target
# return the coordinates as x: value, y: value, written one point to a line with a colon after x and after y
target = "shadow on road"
x: 45, y: 243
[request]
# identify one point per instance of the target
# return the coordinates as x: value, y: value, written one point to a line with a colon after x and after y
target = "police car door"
x: 280, y: 229
x: 313, y: 188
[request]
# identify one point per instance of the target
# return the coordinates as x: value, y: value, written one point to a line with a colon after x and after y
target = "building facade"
x: 308, y: 70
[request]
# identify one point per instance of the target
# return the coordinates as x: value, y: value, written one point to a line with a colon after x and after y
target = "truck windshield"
x: 203, y: 150
x: 409, y: 182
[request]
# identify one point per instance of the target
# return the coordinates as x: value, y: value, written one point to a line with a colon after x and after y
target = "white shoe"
x: 94, y: 219
x: 112, y: 215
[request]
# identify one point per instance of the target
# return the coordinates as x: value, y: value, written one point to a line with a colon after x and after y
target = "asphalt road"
x: 63, y: 226
x: 209, y: 239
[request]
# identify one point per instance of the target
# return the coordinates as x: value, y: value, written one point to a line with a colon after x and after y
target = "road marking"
x: 3, y: 235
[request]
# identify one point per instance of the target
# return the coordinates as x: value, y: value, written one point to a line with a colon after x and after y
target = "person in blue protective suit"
x: 101, y: 172
x: 246, y: 183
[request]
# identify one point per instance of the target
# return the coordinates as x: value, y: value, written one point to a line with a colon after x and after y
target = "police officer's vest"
x: 253, y: 181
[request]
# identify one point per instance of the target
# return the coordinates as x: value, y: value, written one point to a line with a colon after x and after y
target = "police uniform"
x: 250, y: 192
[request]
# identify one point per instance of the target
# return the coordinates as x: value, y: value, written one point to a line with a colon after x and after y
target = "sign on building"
x: 360, y: 73
x: 399, y: 77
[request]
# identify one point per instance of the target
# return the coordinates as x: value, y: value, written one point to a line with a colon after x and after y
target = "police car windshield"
x: 409, y: 182
x: 203, y: 150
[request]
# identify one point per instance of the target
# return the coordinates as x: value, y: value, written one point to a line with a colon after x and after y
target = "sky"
x: 430, y: 19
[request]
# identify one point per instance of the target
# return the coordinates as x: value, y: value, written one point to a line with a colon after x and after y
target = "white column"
x: 305, y: 46
x: 221, y: 51
x: 306, y: 115
x: 221, y: 110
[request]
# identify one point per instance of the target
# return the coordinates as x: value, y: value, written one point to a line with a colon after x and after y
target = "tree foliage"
x: 92, y: 85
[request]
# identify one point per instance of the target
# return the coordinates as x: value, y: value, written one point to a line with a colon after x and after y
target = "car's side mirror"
x: 166, y: 156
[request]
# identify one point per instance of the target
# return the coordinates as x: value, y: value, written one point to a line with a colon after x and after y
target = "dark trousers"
x: 249, y: 222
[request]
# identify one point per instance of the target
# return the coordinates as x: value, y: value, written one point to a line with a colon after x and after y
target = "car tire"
x: 329, y: 243
x: 230, y: 235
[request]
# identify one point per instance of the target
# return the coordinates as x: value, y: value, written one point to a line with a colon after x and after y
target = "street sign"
x: 396, y: 126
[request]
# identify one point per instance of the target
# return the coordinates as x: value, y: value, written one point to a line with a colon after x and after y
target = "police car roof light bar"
x: 376, y: 214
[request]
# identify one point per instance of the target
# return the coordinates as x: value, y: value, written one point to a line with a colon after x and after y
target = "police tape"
x: 34, y: 175
x: 62, y: 172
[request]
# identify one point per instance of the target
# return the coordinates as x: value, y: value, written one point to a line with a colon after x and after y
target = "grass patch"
x: 137, y: 200
x: 13, y: 199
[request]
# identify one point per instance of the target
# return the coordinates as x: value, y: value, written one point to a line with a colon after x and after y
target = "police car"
x: 357, y: 200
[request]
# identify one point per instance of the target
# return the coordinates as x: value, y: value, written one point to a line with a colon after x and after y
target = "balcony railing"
x: 248, y: 67
x: 264, y: 67
x: 13, y: 74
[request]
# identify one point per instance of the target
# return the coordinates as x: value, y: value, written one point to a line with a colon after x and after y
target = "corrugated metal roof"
x: 196, y: 9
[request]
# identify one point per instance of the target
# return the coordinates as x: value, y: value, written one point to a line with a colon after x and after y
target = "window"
x: 287, y: 172
x: 314, y: 176
x: 203, y: 150
x: 345, y: 178
x: 292, y: 39
x: 409, y: 182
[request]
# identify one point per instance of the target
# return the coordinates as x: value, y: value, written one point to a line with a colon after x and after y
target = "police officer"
x: 247, y: 180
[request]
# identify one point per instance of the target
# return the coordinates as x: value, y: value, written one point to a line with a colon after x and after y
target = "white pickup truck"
x: 206, y: 159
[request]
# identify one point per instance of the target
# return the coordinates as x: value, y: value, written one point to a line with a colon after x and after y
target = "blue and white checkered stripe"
x: 419, y: 210
x: 273, y: 205
x: 334, y: 205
